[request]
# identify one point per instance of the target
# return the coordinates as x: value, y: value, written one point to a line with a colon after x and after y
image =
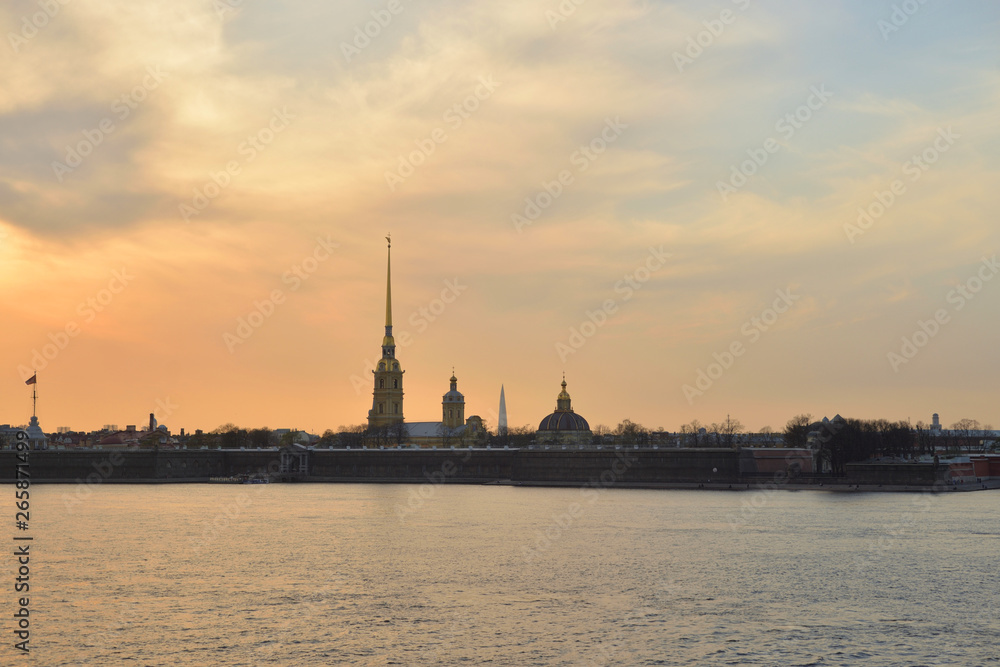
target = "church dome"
x: 454, y: 395
x: 564, y: 419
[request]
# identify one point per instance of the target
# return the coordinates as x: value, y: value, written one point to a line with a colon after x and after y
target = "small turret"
x: 453, y: 405
x: 563, y: 400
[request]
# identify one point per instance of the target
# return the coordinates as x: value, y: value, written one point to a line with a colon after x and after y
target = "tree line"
x: 837, y: 442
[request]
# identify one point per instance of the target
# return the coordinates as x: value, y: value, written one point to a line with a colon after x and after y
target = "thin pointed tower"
x: 387, y: 396
x: 502, y: 421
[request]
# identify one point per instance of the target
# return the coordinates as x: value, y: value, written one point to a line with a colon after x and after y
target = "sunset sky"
x: 674, y: 169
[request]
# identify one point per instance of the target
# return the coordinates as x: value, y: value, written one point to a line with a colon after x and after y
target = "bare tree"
x: 691, y: 433
x: 260, y: 438
x: 352, y: 436
x: 630, y: 433
x: 231, y: 436
x: 966, y: 431
x: 726, y: 432
x: 520, y: 436
x: 398, y: 433
x: 797, y: 430
x: 923, y: 438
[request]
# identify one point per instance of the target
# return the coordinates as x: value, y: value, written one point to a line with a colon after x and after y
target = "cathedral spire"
x: 388, y: 343
x: 387, y: 396
x: 388, y: 288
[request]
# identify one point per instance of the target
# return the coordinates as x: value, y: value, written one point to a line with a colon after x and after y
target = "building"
x: 564, y: 427
x: 36, y: 438
x: 387, y: 397
x: 454, y: 430
x: 386, y: 414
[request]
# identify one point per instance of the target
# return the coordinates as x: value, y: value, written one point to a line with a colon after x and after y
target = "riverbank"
x: 716, y: 469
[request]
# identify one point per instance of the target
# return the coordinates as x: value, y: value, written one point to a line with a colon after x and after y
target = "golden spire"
x: 388, y: 343
x: 388, y: 285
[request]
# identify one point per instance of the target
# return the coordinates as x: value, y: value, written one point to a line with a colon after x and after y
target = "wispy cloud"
x: 226, y: 73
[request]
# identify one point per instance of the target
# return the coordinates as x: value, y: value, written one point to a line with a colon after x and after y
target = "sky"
x: 692, y: 209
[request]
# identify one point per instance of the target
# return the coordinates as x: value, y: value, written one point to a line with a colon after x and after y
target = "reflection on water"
x: 363, y: 574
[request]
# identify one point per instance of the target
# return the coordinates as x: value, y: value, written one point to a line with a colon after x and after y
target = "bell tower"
x: 453, y: 406
x: 387, y: 396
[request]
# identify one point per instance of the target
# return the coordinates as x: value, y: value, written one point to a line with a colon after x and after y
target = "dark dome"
x: 564, y: 421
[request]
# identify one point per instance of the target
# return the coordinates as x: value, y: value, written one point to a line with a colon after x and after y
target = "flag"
x: 32, y: 380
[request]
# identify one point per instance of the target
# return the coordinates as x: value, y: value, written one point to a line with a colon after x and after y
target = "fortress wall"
x: 632, y: 466
x: 895, y: 473
x: 408, y: 465
x: 528, y: 466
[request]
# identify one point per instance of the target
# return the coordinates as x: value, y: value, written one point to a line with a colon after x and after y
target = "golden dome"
x: 563, y: 395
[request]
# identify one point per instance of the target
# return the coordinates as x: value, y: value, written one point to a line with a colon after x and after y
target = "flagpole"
x: 34, y: 394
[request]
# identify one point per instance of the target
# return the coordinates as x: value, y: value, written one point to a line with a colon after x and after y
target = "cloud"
x: 350, y: 121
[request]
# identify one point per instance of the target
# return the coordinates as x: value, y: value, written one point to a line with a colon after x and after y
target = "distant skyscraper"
x: 502, y: 422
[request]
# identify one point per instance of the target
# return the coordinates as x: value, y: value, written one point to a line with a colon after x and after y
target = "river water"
x: 359, y: 574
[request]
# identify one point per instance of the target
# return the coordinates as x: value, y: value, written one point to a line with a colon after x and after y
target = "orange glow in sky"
x: 690, y: 213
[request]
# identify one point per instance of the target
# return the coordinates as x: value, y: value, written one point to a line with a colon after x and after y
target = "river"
x: 366, y: 574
